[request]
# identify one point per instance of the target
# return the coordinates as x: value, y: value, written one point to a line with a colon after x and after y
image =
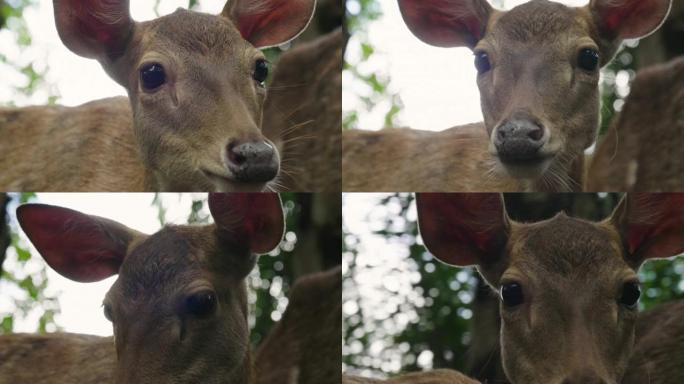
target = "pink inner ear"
x: 255, y: 219
x: 274, y: 22
x: 632, y: 19
x: 461, y: 229
x: 444, y: 23
x: 75, y: 245
x: 93, y: 27
x: 614, y: 18
x: 655, y: 225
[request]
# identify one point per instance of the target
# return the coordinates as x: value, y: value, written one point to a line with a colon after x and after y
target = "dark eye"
x: 152, y: 76
x: 588, y: 59
x: 201, y: 304
x: 260, y: 71
x: 512, y: 294
x: 630, y: 294
x: 107, y: 309
x: 482, y: 62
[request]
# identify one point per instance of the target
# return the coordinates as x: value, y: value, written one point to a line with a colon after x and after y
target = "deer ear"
x: 79, y: 247
x: 267, y: 23
x: 96, y: 29
x: 447, y: 23
x: 651, y: 225
x: 629, y: 19
x: 253, y: 219
x: 462, y: 228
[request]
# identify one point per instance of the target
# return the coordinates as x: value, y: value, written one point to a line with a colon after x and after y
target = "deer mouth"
x: 224, y: 182
x: 528, y: 167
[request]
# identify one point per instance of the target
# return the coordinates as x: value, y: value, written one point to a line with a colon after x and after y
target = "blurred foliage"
x: 373, y: 88
x: 13, y: 22
x: 26, y: 283
x: 614, y: 85
x: 380, y: 339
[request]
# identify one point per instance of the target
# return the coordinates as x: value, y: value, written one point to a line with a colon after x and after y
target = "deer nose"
x: 253, y: 161
x: 584, y: 377
x: 519, y: 140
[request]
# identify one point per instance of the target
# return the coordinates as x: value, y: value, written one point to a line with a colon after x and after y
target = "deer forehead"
x: 191, y: 33
x: 567, y: 248
x: 171, y: 260
x: 537, y: 22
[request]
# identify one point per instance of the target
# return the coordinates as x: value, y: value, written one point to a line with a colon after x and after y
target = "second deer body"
x: 538, y: 73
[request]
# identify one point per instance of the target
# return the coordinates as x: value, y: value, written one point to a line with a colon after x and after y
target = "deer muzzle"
x: 253, y: 161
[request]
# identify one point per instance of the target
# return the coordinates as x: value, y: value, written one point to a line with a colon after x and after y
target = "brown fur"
x: 158, y: 338
x: 304, y: 346
x: 303, y: 115
x: 424, y: 161
x: 534, y: 76
x: 642, y: 150
x: 658, y: 354
x: 439, y: 376
x: 56, y: 358
x: 107, y: 140
x: 572, y: 274
x: 177, y: 135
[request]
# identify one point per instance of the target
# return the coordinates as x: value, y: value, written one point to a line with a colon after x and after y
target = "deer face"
x: 196, y: 83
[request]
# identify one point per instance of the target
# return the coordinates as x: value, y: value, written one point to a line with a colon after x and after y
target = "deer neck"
x: 244, y: 374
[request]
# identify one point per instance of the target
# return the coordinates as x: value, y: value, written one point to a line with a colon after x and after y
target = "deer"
x: 178, y: 307
x: 621, y: 161
x: 538, y: 70
x: 304, y: 110
x: 304, y: 346
x: 196, y: 86
x: 437, y: 376
x: 568, y: 287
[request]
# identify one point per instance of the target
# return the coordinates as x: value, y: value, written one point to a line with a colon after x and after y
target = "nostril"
x: 584, y: 378
x: 236, y: 154
x: 253, y: 161
x: 536, y: 133
x: 501, y: 133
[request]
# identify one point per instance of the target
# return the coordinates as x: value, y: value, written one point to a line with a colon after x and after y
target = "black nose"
x: 519, y: 140
x: 253, y: 161
x: 586, y: 377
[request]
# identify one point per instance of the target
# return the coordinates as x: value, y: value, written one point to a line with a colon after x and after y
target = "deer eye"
x: 201, y: 304
x: 588, y: 59
x: 260, y: 71
x: 630, y: 294
x: 152, y: 76
x: 512, y: 294
x: 482, y: 62
x: 107, y: 310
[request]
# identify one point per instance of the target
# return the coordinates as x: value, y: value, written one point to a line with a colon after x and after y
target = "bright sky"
x: 77, y: 80
x: 437, y: 85
x: 81, y: 303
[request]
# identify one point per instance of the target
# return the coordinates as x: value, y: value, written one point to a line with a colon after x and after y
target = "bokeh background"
x: 34, y: 298
x: 405, y: 311
x: 392, y: 79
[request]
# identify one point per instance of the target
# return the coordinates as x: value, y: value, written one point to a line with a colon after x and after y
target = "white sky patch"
x: 437, y: 85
